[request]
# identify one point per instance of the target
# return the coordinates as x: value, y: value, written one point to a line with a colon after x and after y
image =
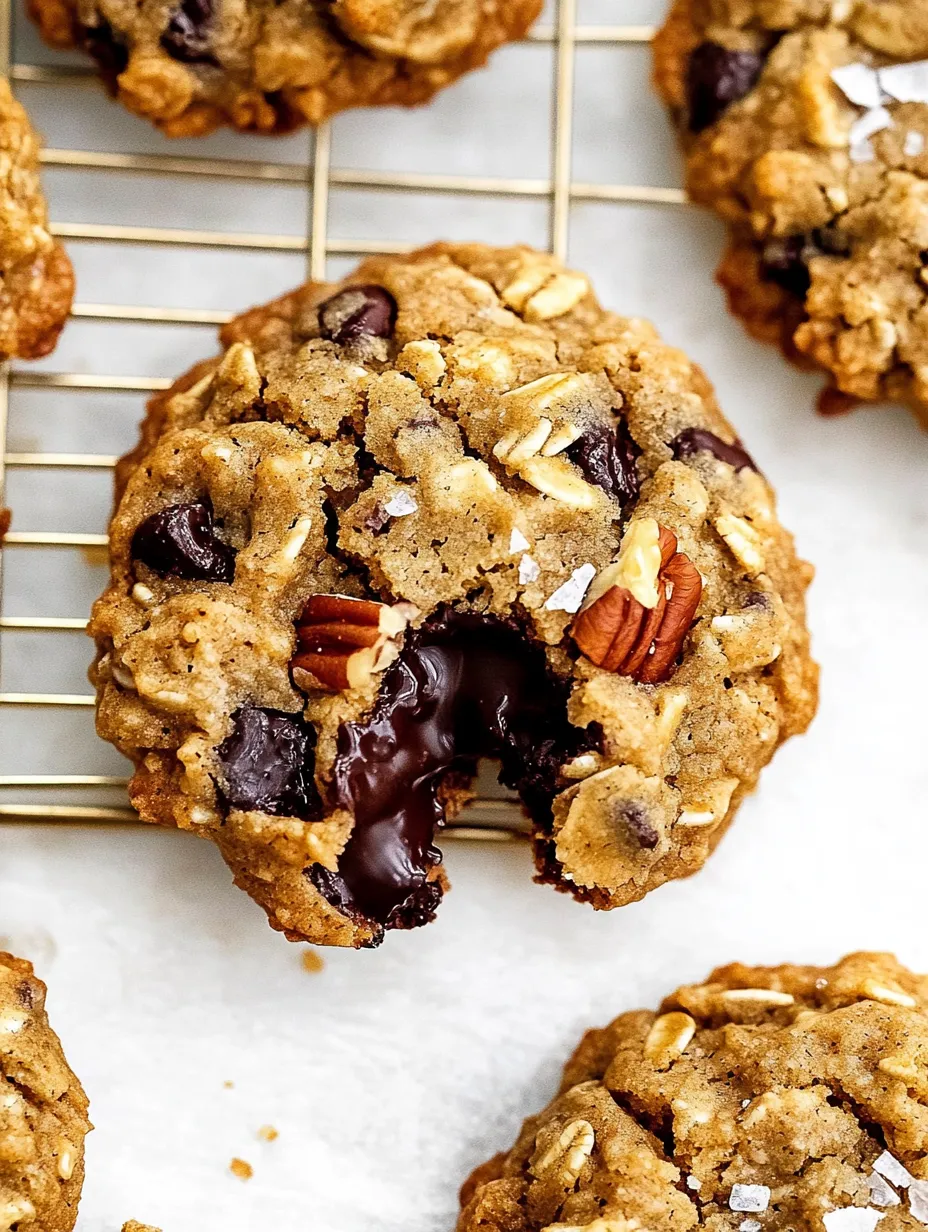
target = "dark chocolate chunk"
x: 715, y: 78
x: 268, y: 762
x: 783, y: 261
x: 831, y: 240
x: 357, y: 313
x: 180, y: 541
x: 607, y: 457
x: 188, y: 35
x: 464, y: 687
x: 634, y: 819
x: 111, y: 55
x: 691, y: 441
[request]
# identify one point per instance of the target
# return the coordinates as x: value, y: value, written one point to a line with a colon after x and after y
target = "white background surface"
x: 390, y: 1074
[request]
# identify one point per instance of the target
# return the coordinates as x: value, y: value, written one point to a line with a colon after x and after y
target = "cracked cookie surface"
x: 804, y: 126
x: 448, y: 509
x: 36, y: 280
x: 767, y: 1098
x: 270, y: 67
x: 43, y: 1112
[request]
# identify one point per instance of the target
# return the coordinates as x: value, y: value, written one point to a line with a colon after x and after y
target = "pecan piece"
x: 640, y: 608
x: 344, y: 641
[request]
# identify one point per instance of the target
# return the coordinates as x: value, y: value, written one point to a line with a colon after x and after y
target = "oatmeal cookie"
x: 774, y: 1098
x: 36, y: 280
x: 804, y: 126
x: 447, y: 509
x: 270, y: 67
x: 43, y: 1112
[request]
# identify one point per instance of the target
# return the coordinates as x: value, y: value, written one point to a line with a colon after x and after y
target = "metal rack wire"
x: 487, y: 818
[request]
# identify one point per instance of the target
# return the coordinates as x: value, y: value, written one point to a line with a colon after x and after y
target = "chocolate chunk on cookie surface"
x: 805, y: 127
x: 192, y: 66
x: 780, y: 1098
x: 43, y: 1111
x: 464, y: 512
x: 36, y: 279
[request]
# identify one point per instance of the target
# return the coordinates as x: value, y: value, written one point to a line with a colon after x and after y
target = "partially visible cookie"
x: 769, y: 1099
x: 449, y: 508
x: 805, y: 126
x: 43, y: 1112
x: 36, y: 279
x: 269, y: 67
x: 134, y: 1226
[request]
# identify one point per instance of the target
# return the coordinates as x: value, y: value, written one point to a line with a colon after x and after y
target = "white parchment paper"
x: 390, y: 1074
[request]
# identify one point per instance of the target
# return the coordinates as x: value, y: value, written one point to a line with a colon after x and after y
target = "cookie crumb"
x: 312, y: 962
x: 267, y: 1133
x: 244, y: 1171
x: 228, y: 1084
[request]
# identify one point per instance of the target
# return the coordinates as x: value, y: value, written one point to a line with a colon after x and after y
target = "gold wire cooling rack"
x: 487, y: 818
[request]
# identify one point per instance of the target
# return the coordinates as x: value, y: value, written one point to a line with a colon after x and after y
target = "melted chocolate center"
x: 464, y: 687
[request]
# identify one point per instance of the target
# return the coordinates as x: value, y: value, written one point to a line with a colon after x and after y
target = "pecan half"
x: 344, y: 641
x: 640, y: 608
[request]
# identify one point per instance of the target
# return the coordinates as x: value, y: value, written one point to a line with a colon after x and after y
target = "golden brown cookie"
x: 769, y: 1099
x: 270, y: 67
x: 448, y: 509
x: 43, y: 1112
x: 36, y: 280
x: 804, y: 126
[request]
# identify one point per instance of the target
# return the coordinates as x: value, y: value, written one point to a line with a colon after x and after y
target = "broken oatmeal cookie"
x: 804, y: 126
x: 43, y: 1111
x: 445, y: 510
x: 36, y: 279
x: 192, y: 66
x: 775, y: 1098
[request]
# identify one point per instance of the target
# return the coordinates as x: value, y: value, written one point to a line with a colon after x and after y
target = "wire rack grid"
x: 487, y: 818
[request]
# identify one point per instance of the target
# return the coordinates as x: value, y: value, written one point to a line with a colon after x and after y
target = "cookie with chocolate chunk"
x: 36, y: 279
x: 445, y: 510
x: 43, y: 1111
x: 805, y: 127
x: 194, y: 65
x: 780, y: 1098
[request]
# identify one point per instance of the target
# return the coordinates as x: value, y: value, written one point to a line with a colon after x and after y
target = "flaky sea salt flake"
x: 528, y: 571
x: 872, y: 121
x: 881, y: 1192
x: 517, y: 542
x: 749, y: 1197
x: 400, y: 505
x: 896, y: 1173
x: 567, y: 598
x: 913, y: 145
x: 852, y: 1219
x: 749, y: 1225
x: 859, y: 84
x: 918, y: 1201
x: 906, y: 83
x: 694, y: 1183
